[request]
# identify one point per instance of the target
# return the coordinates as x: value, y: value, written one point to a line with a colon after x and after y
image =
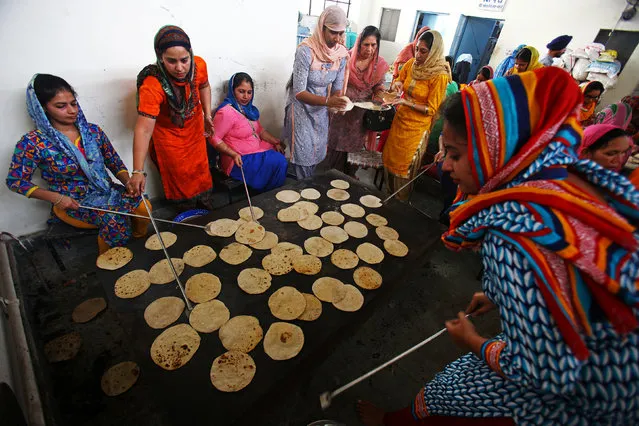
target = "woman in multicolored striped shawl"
x: 559, y: 242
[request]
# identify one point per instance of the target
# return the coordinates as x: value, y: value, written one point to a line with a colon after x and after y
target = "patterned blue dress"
x: 536, y: 379
x: 306, y: 126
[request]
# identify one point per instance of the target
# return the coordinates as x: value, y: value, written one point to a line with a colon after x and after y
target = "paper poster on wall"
x: 492, y: 5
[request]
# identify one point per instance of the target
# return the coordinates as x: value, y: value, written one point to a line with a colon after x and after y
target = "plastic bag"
x: 593, y: 50
x: 611, y: 69
x: 607, y: 82
x: 579, y: 70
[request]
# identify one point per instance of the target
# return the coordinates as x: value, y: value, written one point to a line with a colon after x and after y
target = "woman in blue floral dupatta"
x: 73, y: 157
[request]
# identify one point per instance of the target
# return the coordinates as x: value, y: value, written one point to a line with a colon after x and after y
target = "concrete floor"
x: 418, y: 309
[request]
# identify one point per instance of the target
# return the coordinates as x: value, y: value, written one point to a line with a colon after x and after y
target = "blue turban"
x: 559, y: 43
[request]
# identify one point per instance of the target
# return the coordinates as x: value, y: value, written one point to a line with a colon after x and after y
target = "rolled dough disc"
x: 283, y: 341
x: 318, y: 246
x: 114, y: 258
x: 376, y: 220
x: 250, y: 233
x: 287, y: 303
x: 161, y: 272
x: 356, y: 229
x: 386, y: 233
x: 203, y: 287
x: 245, y: 213
x: 370, y: 201
x: 222, y: 227
x: 352, y: 210
x: 325, y: 288
x: 340, y: 184
x: 153, y: 242
x: 396, y: 248
x: 268, y: 242
x: 307, y: 264
x: 241, y: 333
x: 199, y: 256
x: 289, y: 214
x: 163, y: 312
x: 344, y: 259
x: 120, y: 378
x: 254, y: 280
x: 235, y: 253
x: 88, y: 309
x: 332, y: 218
x: 334, y: 234
x: 353, y: 299
x: 288, y: 196
x: 209, y: 316
x: 367, y: 278
x: 313, y: 308
x: 132, y: 284
x: 278, y: 263
x: 311, y: 194
x: 175, y: 346
x: 63, y: 348
x: 311, y: 223
x: 232, y: 371
x: 370, y: 253
x: 337, y: 194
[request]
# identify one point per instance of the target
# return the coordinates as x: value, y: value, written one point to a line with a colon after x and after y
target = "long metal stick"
x: 331, y: 395
x: 166, y: 254
x: 247, y: 194
x: 427, y: 168
x: 142, y: 217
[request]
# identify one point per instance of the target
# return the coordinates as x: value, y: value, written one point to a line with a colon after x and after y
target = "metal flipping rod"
x: 166, y: 253
x: 427, y: 168
x: 142, y: 217
x: 247, y: 194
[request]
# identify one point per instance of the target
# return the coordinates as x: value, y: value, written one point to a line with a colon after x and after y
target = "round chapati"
x: 311, y: 223
x: 288, y: 196
x: 254, y: 280
x: 325, y: 288
x: 199, y: 256
x: 340, y: 184
x: 289, y: 249
x: 287, y: 303
x: 63, y: 348
x: 344, y: 259
x: 88, y: 309
x: 175, y: 346
x: 203, y: 287
x: 313, y: 308
x: 114, y: 258
x: 367, y: 278
x: 209, y: 316
x: 353, y: 299
x: 132, y: 284
x: 222, y: 227
x: 337, y: 194
x: 289, y: 214
x: 318, y: 246
x: 356, y: 229
x: 376, y: 220
x: 303, y: 211
x: 245, y: 213
x: 283, y: 341
x: 235, y: 253
x: 386, y: 233
x: 250, y: 233
x: 307, y: 264
x: 161, y: 272
x: 310, y: 194
x: 232, y: 371
x: 352, y: 210
x: 268, y: 242
x: 241, y: 333
x: 120, y: 378
x: 396, y: 248
x: 163, y: 312
x: 278, y: 263
x: 332, y: 218
x: 311, y: 208
x: 370, y: 201
x: 334, y: 234
x: 153, y: 242
x: 370, y: 253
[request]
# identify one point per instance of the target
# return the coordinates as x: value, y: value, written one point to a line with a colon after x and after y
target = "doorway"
x: 432, y: 20
x: 477, y: 37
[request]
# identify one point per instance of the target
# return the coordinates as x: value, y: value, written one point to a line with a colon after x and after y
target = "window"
x: 344, y: 4
x: 388, y: 24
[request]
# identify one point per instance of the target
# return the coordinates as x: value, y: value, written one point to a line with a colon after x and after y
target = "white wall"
x: 526, y: 21
x: 100, y: 46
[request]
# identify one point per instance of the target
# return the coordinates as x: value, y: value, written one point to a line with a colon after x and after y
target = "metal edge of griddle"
x: 46, y: 405
x: 290, y: 384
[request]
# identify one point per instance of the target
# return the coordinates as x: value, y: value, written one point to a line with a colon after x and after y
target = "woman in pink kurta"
x: 244, y: 143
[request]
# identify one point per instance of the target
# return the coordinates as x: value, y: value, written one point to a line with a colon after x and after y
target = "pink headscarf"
x: 595, y: 132
x: 619, y: 115
x: 408, y: 52
x: 334, y: 18
x: 374, y: 73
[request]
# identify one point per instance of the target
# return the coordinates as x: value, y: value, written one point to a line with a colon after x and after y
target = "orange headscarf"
x: 375, y: 71
x: 407, y: 53
x: 334, y: 18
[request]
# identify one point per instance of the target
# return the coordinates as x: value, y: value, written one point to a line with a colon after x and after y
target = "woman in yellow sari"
x: 423, y: 80
x: 526, y: 60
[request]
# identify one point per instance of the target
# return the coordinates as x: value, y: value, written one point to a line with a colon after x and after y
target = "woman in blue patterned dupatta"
x: 559, y: 242
x: 73, y: 157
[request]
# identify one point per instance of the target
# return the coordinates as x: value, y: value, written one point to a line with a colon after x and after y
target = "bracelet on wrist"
x: 59, y: 200
x: 138, y: 172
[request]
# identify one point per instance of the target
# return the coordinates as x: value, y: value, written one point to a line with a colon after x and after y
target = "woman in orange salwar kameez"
x: 423, y: 80
x: 174, y: 106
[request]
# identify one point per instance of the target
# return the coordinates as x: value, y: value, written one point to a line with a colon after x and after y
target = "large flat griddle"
x: 186, y: 396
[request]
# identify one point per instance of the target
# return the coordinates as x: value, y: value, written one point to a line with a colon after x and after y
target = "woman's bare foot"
x: 370, y: 414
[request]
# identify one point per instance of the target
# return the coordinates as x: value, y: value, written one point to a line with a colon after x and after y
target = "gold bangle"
x: 59, y: 200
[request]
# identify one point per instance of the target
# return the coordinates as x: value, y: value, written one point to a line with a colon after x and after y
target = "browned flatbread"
x: 232, y: 371
x: 88, y: 309
x: 241, y: 333
x: 287, y: 303
x: 367, y: 278
x: 63, y: 348
x: 120, y: 378
x: 175, y: 346
x: 114, y: 258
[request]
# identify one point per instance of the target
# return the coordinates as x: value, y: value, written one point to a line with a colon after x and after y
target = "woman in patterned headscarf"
x: 174, y: 115
x: 423, y: 80
x: 73, y: 156
x: 559, y: 242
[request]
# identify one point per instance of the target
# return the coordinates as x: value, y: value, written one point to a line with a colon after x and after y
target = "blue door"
x: 478, y: 37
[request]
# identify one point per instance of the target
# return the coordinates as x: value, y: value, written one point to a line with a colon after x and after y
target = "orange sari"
x: 178, y: 152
